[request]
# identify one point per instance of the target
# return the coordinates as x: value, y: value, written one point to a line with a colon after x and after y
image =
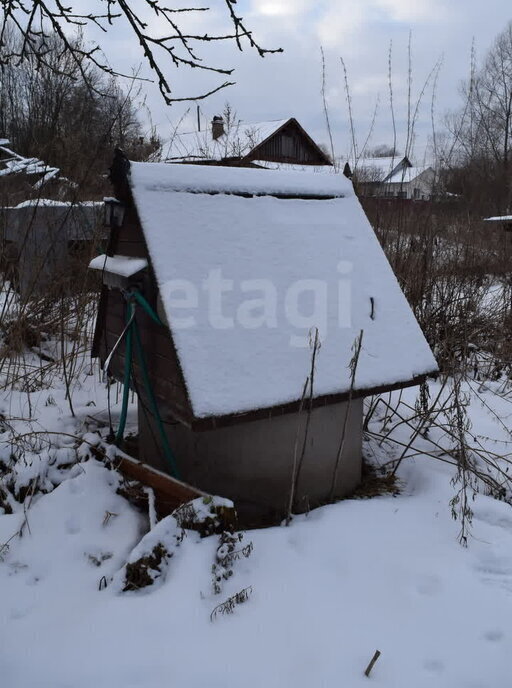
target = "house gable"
x: 400, y: 169
x: 289, y: 144
x: 413, y: 183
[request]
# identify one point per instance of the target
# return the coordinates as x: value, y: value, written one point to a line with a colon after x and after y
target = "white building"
x: 392, y: 177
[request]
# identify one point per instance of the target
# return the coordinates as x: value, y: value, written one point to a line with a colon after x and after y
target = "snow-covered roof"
x: 213, y: 179
x: 379, y: 169
x: 499, y: 218
x: 237, y: 141
x: 12, y: 163
x: 406, y: 175
x: 46, y: 202
x: 239, y: 278
x: 125, y: 266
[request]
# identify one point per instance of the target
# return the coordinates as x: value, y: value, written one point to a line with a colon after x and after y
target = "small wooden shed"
x: 229, y: 273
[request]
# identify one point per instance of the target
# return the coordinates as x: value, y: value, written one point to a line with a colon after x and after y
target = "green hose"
x: 169, y: 455
x: 133, y: 330
x: 145, y: 305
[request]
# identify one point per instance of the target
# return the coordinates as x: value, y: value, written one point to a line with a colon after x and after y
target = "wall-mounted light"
x: 113, y: 212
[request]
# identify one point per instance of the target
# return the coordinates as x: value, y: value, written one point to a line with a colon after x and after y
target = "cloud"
x: 340, y: 22
x: 412, y: 11
x: 346, y: 20
x: 371, y: 84
x: 281, y: 8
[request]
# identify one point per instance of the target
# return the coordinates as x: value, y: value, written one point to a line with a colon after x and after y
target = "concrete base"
x: 252, y: 463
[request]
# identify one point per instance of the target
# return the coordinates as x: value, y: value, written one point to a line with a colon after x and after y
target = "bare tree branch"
x: 37, y: 20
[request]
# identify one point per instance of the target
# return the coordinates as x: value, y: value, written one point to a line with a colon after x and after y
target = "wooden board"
x: 169, y: 492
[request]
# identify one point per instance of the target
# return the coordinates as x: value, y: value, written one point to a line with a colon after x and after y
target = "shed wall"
x: 40, y: 236
x: 252, y: 462
x: 162, y: 362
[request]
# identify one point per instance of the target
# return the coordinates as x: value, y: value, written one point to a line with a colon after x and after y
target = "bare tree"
x: 69, y: 117
x: 37, y: 20
x: 483, y: 127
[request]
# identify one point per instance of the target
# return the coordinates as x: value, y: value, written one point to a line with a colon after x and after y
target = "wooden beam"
x: 169, y: 492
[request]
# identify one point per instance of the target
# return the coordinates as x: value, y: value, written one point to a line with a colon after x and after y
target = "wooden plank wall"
x: 161, y: 358
x: 289, y: 146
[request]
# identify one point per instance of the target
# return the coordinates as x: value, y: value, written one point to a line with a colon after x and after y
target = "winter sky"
x: 360, y: 31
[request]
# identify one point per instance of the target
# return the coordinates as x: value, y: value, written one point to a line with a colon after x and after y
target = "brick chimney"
x: 217, y: 127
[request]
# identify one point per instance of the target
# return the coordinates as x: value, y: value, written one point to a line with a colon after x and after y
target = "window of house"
x: 416, y: 194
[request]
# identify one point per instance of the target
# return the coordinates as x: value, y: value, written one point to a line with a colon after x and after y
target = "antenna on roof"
x: 198, y: 120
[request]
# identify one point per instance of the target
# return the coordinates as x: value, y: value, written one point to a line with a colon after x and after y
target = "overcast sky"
x: 289, y: 84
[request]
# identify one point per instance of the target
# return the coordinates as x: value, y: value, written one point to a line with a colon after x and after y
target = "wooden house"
x: 391, y: 177
x: 227, y: 274
x: 259, y: 144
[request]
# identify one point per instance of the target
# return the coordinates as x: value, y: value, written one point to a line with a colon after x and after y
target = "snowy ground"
x: 385, y: 573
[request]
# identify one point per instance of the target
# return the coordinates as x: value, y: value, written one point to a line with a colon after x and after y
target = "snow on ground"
x: 385, y: 573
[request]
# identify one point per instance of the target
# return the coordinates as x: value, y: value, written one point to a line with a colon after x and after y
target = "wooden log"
x: 169, y: 492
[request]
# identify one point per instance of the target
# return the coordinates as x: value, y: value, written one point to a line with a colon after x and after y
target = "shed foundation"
x: 252, y: 462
